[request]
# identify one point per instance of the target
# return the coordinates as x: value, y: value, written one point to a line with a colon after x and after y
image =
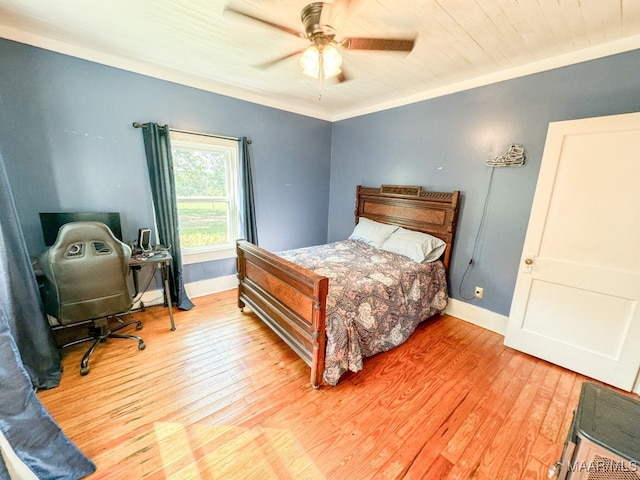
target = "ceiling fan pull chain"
x: 320, y: 74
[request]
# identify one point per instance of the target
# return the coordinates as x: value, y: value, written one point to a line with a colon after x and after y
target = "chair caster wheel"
x: 139, y: 326
x: 84, y: 371
x: 142, y: 346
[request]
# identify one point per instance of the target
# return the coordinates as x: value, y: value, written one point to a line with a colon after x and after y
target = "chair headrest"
x: 74, y: 237
x: 80, y: 231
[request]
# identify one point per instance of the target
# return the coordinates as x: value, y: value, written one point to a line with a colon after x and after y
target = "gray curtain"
x: 160, y: 164
x: 247, y: 203
x: 39, y: 448
x: 20, y: 301
x: 28, y: 358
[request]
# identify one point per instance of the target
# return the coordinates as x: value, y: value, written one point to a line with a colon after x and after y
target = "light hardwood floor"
x: 222, y: 398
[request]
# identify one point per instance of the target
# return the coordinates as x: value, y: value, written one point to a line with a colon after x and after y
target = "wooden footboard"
x: 288, y: 298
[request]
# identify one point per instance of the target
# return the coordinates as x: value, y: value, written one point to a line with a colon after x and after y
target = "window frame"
x: 200, y: 142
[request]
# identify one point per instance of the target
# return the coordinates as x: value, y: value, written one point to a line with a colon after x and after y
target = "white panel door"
x: 576, y: 297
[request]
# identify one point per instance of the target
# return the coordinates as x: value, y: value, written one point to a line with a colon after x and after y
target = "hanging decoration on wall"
x: 512, y: 158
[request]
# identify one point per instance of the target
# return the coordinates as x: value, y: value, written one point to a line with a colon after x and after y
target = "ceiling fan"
x: 322, y: 59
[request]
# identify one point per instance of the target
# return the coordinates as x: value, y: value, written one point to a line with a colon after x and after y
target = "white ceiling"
x: 459, y: 44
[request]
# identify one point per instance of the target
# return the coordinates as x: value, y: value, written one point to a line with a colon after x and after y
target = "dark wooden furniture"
x: 292, y: 300
x: 604, y: 439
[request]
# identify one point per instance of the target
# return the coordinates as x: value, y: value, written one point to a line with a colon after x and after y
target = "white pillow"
x: 371, y: 232
x: 419, y: 247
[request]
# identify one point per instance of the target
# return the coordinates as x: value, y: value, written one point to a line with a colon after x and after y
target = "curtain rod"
x: 141, y: 125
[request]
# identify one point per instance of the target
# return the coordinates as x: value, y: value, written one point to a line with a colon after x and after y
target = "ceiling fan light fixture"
x: 329, y: 65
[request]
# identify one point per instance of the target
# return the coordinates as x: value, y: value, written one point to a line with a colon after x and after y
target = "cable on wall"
x: 514, y: 157
x: 476, y: 241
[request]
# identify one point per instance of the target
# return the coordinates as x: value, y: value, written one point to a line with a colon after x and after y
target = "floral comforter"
x: 375, y: 301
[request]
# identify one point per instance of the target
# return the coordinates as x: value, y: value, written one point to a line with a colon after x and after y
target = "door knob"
x: 528, y: 265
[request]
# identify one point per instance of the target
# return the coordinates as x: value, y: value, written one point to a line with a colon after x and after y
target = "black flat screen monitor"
x: 52, y: 221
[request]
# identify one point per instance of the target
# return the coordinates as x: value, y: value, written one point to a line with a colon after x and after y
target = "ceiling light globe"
x: 310, y: 61
x: 332, y: 61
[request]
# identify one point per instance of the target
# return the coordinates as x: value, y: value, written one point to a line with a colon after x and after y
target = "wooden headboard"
x: 412, y: 207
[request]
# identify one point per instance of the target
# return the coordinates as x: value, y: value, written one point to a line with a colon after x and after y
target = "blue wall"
x: 443, y: 144
x: 67, y: 138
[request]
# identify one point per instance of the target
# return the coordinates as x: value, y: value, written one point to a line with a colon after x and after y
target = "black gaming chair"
x: 86, y: 281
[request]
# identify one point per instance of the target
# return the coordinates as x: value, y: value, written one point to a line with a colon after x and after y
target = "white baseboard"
x: 210, y: 286
x: 478, y: 316
x: 150, y: 298
x: 155, y: 297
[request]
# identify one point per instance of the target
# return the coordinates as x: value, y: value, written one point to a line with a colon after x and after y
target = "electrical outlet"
x: 479, y: 292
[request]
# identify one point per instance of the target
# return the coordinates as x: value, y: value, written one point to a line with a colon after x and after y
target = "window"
x: 206, y: 173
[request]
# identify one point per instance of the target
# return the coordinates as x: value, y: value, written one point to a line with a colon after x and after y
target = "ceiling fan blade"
x: 282, y: 28
x: 341, y: 77
x: 271, y: 63
x: 390, y: 44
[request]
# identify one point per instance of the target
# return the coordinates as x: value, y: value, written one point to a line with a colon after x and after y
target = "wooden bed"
x: 292, y: 300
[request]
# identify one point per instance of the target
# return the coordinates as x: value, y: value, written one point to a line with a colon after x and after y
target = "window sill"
x: 200, y: 256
